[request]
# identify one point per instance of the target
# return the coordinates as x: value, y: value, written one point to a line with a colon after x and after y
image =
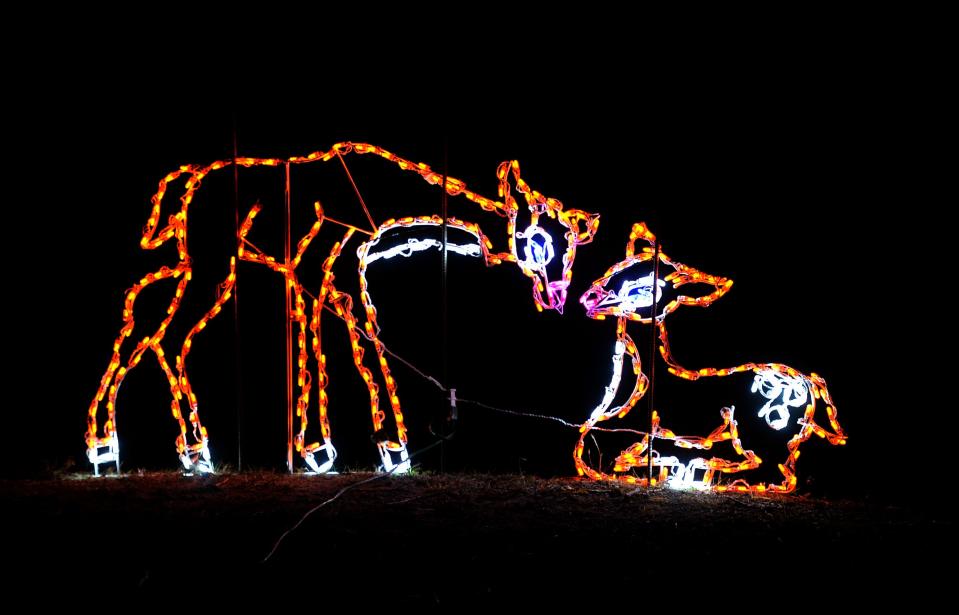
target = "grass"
x: 454, y: 539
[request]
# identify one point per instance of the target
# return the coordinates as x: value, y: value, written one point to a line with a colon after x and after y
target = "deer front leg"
x: 310, y: 452
x: 393, y: 453
x: 624, y: 346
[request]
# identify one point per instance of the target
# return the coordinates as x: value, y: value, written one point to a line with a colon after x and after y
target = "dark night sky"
x: 778, y: 175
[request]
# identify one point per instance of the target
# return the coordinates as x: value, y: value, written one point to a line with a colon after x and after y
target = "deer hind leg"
x: 788, y: 467
x: 671, y: 471
x: 106, y: 449
x: 784, y: 388
x: 686, y: 474
x: 176, y: 409
x: 715, y: 466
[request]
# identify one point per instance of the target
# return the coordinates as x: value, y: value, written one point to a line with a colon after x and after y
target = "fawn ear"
x: 715, y: 286
x: 641, y: 232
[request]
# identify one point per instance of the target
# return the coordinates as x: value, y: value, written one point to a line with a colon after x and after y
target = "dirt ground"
x: 460, y: 540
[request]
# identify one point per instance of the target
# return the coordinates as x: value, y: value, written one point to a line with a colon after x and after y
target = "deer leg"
x: 193, y: 445
x: 584, y: 469
x: 394, y: 453
x: 106, y: 449
x: 729, y: 430
x: 310, y: 452
x: 343, y: 305
x: 624, y: 346
x: 304, y: 381
x: 248, y: 252
x: 176, y: 393
x: 788, y: 467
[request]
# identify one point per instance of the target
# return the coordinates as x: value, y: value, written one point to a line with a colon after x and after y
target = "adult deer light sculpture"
x: 529, y: 246
x: 790, y: 399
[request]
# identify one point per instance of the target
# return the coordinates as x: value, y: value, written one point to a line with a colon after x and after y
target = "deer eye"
x: 638, y: 293
x: 538, y: 250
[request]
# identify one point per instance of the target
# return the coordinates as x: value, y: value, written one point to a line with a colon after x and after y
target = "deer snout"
x: 556, y: 294
x: 591, y: 299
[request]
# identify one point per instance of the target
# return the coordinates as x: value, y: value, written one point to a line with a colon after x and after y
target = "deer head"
x: 531, y: 237
x: 626, y: 290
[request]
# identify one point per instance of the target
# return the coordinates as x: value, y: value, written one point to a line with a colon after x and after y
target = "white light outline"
x: 530, y: 260
x: 580, y: 228
x: 784, y: 387
x: 790, y: 391
x: 414, y: 245
x: 630, y: 304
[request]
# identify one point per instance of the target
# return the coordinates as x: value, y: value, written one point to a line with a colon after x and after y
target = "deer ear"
x: 640, y: 231
x: 510, y: 180
x: 581, y: 224
x: 505, y: 173
x: 715, y: 286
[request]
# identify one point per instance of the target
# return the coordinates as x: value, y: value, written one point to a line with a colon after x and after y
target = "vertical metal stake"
x: 652, y: 362
x: 289, y: 327
x: 443, y: 302
x: 238, y: 364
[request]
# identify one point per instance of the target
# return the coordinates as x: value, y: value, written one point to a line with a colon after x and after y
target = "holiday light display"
x: 530, y: 247
x: 783, y: 387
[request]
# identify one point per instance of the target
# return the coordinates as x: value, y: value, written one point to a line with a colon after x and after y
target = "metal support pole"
x: 444, y: 307
x: 652, y: 361
x: 238, y: 364
x: 289, y: 327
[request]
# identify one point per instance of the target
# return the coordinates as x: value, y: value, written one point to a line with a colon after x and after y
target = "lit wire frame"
x: 783, y: 387
x: 192, y: 443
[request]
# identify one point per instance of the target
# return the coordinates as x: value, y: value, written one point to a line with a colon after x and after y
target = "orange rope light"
x: 781, y: 386
x: 530, y: 248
